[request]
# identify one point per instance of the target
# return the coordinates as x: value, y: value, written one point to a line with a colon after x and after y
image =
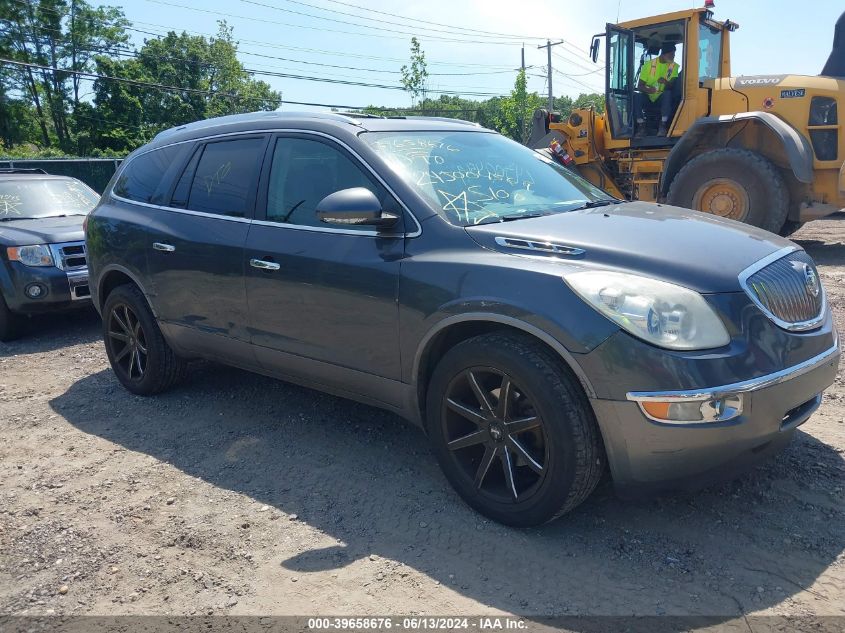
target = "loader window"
x: 620, y: 91
x: 709, y: 52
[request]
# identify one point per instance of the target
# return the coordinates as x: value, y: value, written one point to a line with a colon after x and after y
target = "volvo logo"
x: 811, y: 281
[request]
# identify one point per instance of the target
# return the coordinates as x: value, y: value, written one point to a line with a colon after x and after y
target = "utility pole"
x: 548, y: 46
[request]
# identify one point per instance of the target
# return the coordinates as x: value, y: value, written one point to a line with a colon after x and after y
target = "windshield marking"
x: 469, y: 177
x: 10, y: 204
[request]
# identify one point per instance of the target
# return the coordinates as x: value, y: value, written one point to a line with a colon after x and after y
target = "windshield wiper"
x: 42, y: 217
x: 510, y: 217
x: 592, y: 204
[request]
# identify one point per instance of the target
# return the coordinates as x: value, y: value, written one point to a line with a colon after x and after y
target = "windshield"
x: 43, y: 198
x: 477, y: 178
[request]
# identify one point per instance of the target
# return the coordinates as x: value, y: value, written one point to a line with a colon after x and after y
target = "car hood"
x: 42, y: 231
x: 700, y: 251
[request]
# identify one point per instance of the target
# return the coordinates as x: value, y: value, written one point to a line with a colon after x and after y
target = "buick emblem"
x: 811, y: 281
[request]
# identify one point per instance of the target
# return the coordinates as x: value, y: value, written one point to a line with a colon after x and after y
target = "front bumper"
x: 647, y: 456
x: 60, y: 289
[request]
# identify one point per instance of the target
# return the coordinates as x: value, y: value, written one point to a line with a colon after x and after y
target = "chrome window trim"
x: 415, y: 233
x: 203, y: 214
x: 800, y: 326
x: 761, y: 382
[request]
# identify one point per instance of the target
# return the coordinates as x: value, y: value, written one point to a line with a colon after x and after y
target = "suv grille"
x: 789, y: 291
x: 70, y: 255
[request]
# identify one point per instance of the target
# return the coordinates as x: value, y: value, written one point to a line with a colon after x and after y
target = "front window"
x: 478, y: 178
x: 26, y: 199
x: 709, y: 52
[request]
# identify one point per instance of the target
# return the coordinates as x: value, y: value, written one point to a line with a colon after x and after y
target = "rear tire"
x: 140, y: 357
x: 522, y: 461
x: 733, y: 183
x: 10, y: 323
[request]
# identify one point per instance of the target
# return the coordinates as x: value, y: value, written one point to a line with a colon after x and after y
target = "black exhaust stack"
x: 835, y: 66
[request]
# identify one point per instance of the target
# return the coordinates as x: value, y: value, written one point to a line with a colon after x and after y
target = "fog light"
x: 693, y: 411
x: 34, y: 291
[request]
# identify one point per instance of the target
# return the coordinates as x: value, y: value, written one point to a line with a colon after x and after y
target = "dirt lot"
x: 238, y: 494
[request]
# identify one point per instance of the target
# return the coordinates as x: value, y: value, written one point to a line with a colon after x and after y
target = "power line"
x: 360, y: 17
x: 394, y: 15
x: 326, y: 30
x: 316, y: 51
x: 464, y: 90
x: 211, y: 93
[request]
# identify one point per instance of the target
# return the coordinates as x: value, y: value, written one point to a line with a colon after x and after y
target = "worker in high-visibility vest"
x: 655, y: 89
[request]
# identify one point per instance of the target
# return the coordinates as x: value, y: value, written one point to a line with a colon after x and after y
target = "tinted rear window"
x: 143, y: 178
x: 227, y: 176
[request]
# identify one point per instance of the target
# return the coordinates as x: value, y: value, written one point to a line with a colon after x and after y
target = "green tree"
x: 415, y: 76
x: 63, y: 36
x: 204, y: 78
x: 586, y: 101
x: 514, y: 118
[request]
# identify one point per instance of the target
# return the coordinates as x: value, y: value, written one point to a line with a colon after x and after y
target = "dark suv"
x: 535, y: 327
x: 42, y: 245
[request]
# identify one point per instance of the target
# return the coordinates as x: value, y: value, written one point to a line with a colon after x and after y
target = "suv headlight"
x: 35, y: 255
x: 658, y: 312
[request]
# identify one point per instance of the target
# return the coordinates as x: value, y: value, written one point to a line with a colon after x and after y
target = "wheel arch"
x: 113, y: 277
x: 760, y: 132
x: 452, y: 330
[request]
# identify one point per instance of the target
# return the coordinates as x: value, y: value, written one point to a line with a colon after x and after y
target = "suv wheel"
x: 513, y: 430
x: 9, y: 322
x: 140, y: 357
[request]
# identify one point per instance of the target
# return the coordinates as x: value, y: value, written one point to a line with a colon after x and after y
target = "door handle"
x: 263, y: 264
x: 164, y: 248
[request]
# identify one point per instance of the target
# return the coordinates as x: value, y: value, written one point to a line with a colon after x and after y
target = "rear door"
x: 196, y: 256
x: 619, y: 76
x: 322, y: 299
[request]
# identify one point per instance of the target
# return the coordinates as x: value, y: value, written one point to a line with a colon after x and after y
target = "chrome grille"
x: 788, y: 290
x: 70, y: 255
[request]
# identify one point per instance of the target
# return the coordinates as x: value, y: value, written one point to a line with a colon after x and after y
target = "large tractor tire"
x: 733, y: 183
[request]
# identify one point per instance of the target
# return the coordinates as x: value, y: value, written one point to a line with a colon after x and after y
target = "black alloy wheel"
x: 140, y: 356
x: 513, y: 429
x: 127, y: 342
x: 494, y: 434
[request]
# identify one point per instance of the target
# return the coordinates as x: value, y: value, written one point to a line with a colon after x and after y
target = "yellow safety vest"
x: 653, y: 77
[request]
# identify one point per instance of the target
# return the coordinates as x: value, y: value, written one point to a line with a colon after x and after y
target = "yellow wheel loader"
x: 767, y: 150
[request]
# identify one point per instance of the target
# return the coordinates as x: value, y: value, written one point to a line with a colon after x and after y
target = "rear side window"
x: 144, y: 180
x: 226, y: 177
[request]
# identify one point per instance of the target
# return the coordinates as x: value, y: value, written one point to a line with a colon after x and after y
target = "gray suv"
x: 536, y: 328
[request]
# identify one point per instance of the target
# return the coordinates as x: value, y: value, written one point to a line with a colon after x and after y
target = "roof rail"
x: 22, y: 170
x: 360, y: 115
x: 445, y: 119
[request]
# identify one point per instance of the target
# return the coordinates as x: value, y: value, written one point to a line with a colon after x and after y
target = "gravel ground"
x: 237, y: 494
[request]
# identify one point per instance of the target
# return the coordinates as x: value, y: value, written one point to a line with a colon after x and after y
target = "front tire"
x: 733, y: 183
x: 10, y: 323
x: 512, y: 429
x: 140, y: 357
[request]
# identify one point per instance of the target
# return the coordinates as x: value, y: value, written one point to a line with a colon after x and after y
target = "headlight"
x: 36, y: 255
x: 658, y: 312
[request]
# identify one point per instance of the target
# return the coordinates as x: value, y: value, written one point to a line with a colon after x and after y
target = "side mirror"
x: 594, y: 50
x: 354, y: 207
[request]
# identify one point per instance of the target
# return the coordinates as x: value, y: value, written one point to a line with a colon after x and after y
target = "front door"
x: 196, y: 257
x: 322, y: 299
x: 619, y: 75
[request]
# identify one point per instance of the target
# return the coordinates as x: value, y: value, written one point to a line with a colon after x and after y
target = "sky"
x: 471, y: 46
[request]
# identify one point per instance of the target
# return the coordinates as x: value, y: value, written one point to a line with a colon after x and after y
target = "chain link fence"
x: 94, y: 172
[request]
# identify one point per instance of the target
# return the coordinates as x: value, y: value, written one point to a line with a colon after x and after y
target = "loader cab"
x: 702, y: 54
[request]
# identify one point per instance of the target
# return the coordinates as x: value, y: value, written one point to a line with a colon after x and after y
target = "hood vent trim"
x: 543, y: 247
